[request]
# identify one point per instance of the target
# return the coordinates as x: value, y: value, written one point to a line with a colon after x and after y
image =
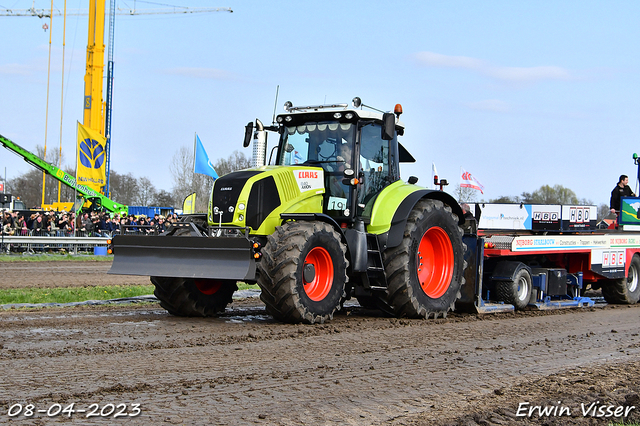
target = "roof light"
x: 288, y: 118
x: 348, y: 115
x: 398, y: 110
x: 279, y: 119
x: 337, y: 115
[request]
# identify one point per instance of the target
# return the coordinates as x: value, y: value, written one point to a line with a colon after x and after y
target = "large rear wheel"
x: 425, y: 272
x: 187, y: 297
x: 302, y: 272
x: 624, y: 290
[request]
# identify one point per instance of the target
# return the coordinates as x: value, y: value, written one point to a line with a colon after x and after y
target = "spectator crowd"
x: 94, y: 224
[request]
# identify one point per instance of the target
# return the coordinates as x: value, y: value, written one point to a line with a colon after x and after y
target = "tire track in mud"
x: 353, y: 370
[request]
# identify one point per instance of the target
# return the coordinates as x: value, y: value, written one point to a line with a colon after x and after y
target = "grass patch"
x: 81, y: 294
x: 63, y: 257
x: 71, y: 294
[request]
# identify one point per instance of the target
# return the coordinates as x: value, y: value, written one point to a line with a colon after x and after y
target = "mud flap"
x: 183, y: 257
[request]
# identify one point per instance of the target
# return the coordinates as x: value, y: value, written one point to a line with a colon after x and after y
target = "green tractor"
x: 330, y: 219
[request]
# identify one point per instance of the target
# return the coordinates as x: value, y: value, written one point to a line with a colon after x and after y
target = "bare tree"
x: 146, y: 192
x: 236, y: 161
x: 546, y: 194
x: 185, y: 181
x: 557, y: 194
x: 164, y: 199
x: 28, y: 186
x: 466, y: 195
x: 123, y: 188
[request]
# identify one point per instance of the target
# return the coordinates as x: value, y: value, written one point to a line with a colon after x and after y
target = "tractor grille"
x: 288, y: 186
x: 263, y: 199
x: 226, y: 191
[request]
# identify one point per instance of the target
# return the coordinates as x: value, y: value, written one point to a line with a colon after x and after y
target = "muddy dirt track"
x: 360, y: 369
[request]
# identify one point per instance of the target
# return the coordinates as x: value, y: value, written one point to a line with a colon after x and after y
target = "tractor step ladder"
x: 375, y: 267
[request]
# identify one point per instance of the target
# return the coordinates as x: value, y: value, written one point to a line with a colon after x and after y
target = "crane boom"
x: 84, y: 192
x: 43, y: 13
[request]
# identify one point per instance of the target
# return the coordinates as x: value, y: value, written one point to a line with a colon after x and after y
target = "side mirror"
x: 248, y: 134
x: 388, y: 126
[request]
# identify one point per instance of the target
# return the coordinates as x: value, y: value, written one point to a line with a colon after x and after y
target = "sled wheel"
x: 302, y: 272
x: 517, y: 291
x: 186, y: 297
x: 425, y: 272
x: 624, y: 290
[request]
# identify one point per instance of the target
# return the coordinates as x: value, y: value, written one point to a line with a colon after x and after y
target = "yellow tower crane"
x: 95, y: 106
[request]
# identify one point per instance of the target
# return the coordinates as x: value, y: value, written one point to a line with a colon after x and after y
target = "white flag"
x: 467, y: 180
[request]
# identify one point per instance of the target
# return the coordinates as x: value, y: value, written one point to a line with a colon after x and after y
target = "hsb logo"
x: 92, y: 154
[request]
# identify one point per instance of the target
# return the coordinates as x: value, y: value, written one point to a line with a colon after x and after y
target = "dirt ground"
x: 360, y: 369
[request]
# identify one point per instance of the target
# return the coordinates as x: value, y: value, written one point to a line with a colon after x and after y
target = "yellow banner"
x: 92, y: 158
x: 189, y: 204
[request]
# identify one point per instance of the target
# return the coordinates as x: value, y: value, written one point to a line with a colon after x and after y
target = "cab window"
x: 374, y: 165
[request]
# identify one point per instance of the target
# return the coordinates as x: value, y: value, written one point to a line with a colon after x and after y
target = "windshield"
x: 328, y: 145
x: 317, y: 143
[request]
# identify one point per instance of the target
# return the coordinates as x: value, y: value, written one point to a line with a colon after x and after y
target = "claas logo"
x: 308, y: 175
x: 92, y: 154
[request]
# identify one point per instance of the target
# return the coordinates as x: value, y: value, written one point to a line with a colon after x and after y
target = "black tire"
x: 432, y: 228
x: 291, y: 296
x: 187, y: 297
x: 517, y: 291
x: 368, y: 302
x: 624, y: 290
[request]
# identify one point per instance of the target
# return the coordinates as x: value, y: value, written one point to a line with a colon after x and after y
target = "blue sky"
x: 520, y: 94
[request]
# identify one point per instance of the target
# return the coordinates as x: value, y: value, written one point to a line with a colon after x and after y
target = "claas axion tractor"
x: 330, y: 219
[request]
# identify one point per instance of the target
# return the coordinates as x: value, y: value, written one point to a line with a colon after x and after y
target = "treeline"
x: 546, y: 194
x: 126, y: 188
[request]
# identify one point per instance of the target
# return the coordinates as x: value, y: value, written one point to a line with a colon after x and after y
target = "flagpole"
x: 75, y: 189
x: 195, y: 141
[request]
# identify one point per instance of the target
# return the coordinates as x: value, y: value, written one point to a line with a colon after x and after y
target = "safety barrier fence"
x: 32, y: 241
x: 32, y: 244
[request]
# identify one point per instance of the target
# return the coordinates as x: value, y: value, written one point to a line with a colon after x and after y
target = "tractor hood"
x: 256, y: 197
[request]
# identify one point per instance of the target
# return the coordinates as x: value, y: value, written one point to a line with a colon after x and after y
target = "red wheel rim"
x: 318, y: 288
x: 208, y: 287
x: 435, y: 262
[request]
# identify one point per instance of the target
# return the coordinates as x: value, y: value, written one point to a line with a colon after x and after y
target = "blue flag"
x: 202, y: 164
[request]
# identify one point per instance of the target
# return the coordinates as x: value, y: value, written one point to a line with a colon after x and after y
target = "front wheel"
x: 425, y: 272
x: 303, y: 272
x: 187, y: 297
x: 624, y: 290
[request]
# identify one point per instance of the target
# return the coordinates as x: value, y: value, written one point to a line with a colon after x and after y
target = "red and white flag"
x: 467, y: 180
x: 434, y: 175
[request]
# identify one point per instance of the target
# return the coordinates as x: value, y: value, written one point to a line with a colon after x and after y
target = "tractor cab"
x: 357, y: 149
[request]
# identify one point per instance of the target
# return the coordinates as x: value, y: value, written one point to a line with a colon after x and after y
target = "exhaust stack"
x: 259, y: 145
